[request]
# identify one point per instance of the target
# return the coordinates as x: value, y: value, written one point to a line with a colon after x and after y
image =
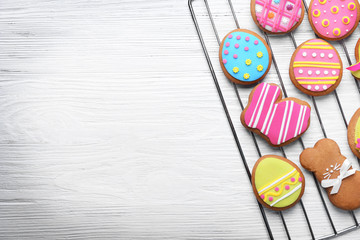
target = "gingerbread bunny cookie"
x: 334, y: 172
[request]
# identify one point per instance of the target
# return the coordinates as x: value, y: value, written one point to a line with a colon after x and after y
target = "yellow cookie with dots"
x: 277, y: 182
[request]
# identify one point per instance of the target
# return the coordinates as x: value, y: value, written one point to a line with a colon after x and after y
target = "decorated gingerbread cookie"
x: 279, y: 121
x: 316, y: 68
x: 277, y: 182
x: 245, y: 57
x: 354, y: 133
x: 355, y: 69
x: 334, y: 19
x: 334, y: 172
x: 277, y: 16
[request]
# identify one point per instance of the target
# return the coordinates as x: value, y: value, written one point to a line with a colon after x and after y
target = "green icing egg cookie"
x: 277, y: 182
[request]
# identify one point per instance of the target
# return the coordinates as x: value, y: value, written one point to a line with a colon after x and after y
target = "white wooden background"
x: 111, y: 126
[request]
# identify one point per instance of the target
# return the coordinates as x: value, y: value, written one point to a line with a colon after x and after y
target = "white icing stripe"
x: 288, y: 120
x: 257, y: 103
x: 276, y: 181
x: 283, y: 122
x: 298, y: 121
x: 287, y: 195
x: 261, y: 106
x: 271, y: 119
x: 302, y: 119
x: 270, y: 111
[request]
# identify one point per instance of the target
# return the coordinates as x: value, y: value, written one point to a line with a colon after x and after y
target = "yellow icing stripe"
x: 316, y: 47
x: 321, y: 63
x: 317, y: 66
x: 276, y: 194
x: 357, y: 131
x: 320, y: 78
x: 319, y: 82
x: 277, y: 181
x: 317, y: 43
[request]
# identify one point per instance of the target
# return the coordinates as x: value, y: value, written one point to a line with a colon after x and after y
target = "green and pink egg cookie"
x: 354, y: 133
x: 277, y: 182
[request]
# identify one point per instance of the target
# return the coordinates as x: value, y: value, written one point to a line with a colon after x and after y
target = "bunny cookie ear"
x: 309, y: 159
x: 279, y: 121
x: 324, y: 151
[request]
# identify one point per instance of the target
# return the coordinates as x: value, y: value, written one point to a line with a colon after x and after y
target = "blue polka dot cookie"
x: 244, y: 57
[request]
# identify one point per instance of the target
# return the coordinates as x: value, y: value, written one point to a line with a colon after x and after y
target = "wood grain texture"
x: 111, y: 126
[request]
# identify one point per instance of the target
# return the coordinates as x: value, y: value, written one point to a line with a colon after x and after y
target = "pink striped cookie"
x: 334, y: 19
x: 279, y: 121
x: 277, y: 16
x: 316, y: 68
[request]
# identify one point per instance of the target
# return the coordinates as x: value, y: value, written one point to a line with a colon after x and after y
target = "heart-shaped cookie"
x: 279, y: 121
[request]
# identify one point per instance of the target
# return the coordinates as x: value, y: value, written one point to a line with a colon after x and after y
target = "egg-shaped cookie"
x: 316, y: 68
x: 277, y: 16
x: 277, y: 182
x: 354, y: 133
x: 334, y: 19
x: 244, y: 57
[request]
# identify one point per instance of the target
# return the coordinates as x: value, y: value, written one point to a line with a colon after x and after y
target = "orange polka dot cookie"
x: 334, y: 19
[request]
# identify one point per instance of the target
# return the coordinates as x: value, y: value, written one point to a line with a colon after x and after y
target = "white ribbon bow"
x: 336, y: 183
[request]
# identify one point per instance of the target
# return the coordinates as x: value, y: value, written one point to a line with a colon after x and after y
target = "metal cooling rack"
x: 335, y: 230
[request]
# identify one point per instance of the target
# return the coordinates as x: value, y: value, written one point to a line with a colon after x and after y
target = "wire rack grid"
x: 209, y: 24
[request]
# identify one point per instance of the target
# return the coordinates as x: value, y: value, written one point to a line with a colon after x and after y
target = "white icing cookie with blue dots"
x: 244, y: 57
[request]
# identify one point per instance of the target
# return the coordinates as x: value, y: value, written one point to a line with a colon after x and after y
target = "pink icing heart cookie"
x: 277, y: 16
x: 279, y: 121
x: 334, y: 19
x: 316, y: 68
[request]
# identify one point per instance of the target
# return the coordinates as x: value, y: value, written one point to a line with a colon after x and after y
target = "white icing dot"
x: 317, y: 87
x: 309, y: 87
x: 347, y: 30
x: 304, y: 54
x: 326, y: 72
x: 314, y: 55
x: 309, y: 72
x: 318, y: 72
x: 331, y: 166
x: 301, y: 71
x: 335, y: 21
x: 315, y: 22
x: 258, y: 8
x: 342, y: 6
x: 330, y: 55
x: 324, y: 11
x: 331, y: 171
x: 322, y: 55
x: 324, y: 87
x: 327, y: 33
x: 333, y: 72
x: 351, y: 15
x: 327, y: 169
x: 285, y: 20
